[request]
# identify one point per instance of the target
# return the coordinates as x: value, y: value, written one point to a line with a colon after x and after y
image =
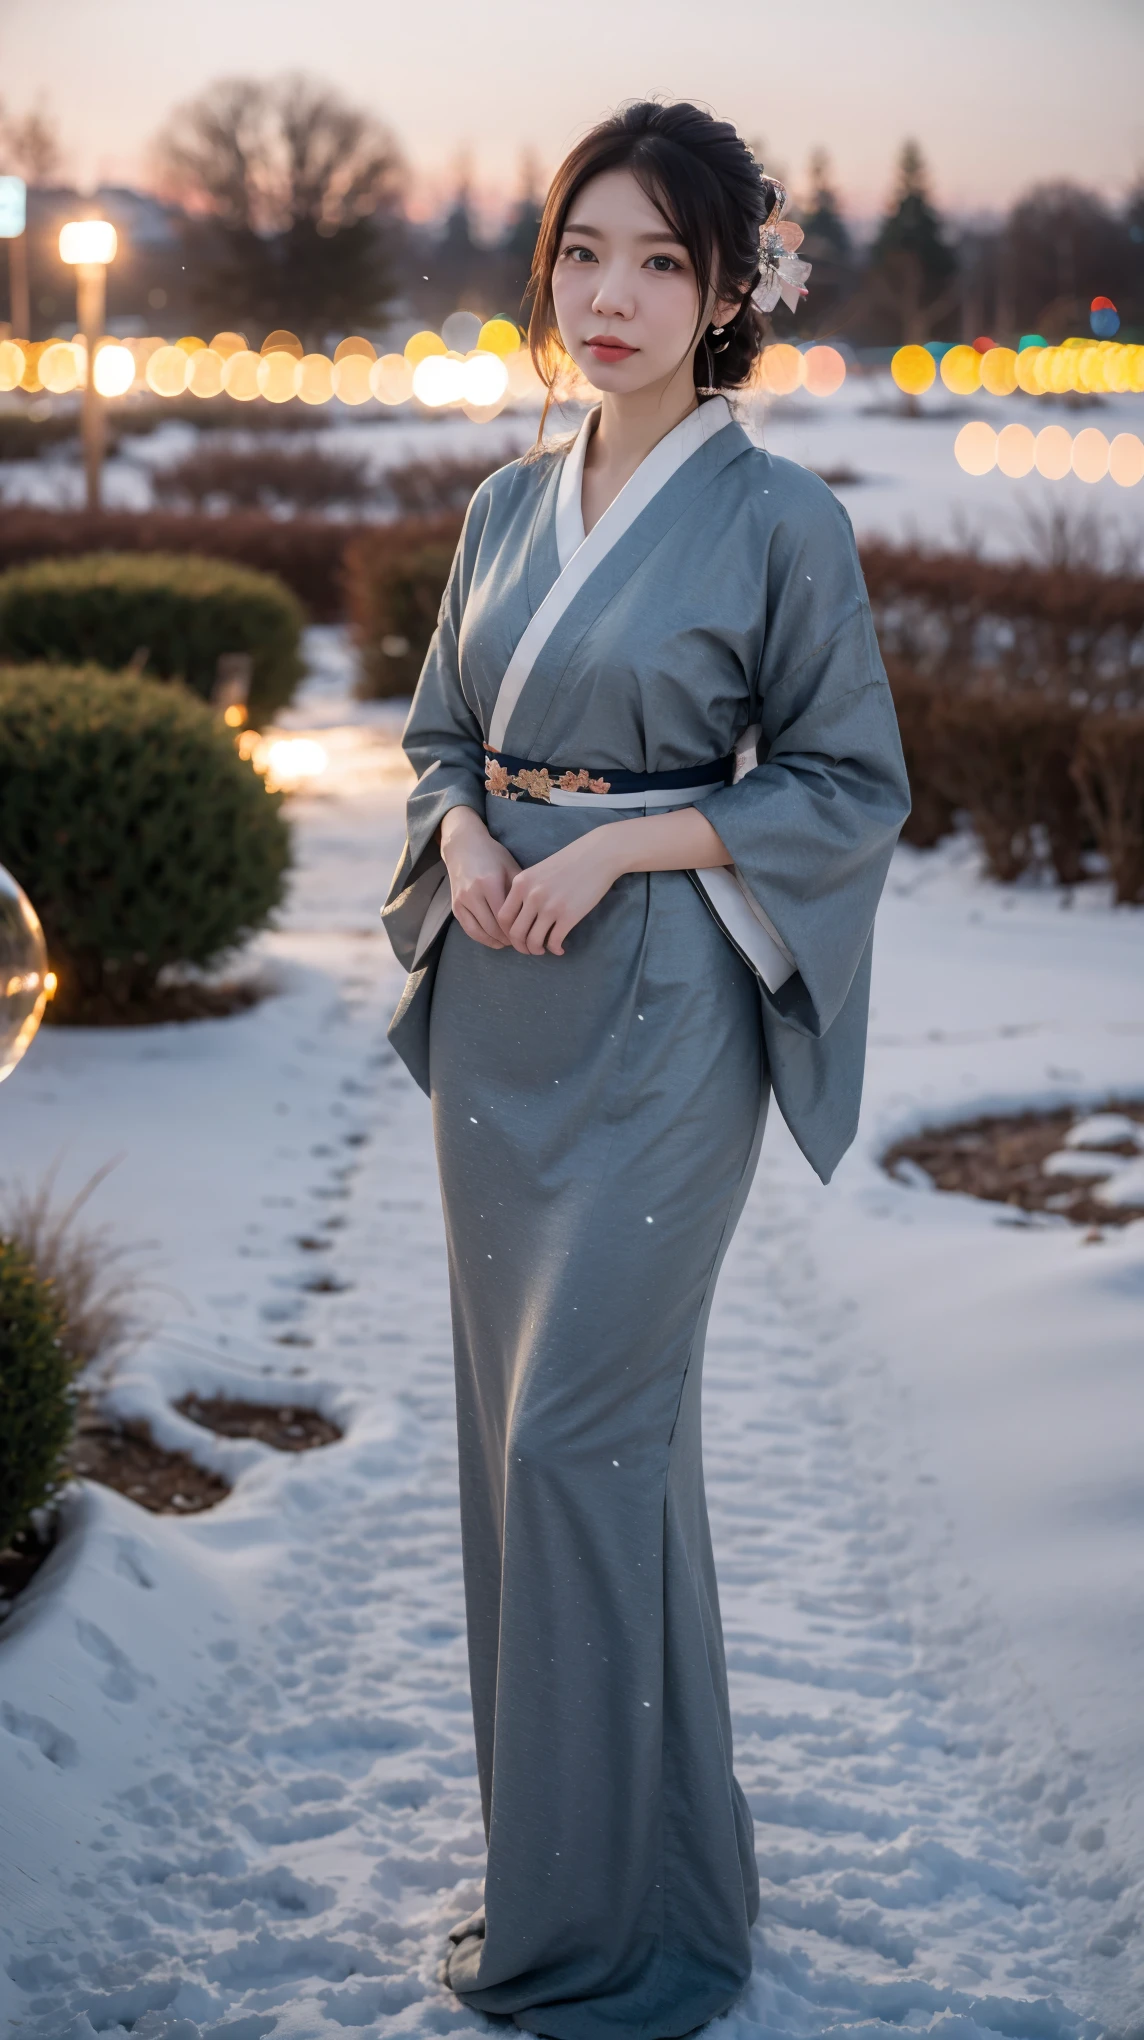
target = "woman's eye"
x: 663, y: 264
x: 575, y: 254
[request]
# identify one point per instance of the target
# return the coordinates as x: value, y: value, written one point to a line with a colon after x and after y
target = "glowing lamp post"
x: 88, y: 246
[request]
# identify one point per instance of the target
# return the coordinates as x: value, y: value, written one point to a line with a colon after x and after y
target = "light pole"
x: 13, y: 229
x: 89, y: 245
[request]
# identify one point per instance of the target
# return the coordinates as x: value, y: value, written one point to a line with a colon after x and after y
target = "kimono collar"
x: 657, y: 467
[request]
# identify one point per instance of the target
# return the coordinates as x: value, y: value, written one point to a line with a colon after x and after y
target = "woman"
x: 615, y: 953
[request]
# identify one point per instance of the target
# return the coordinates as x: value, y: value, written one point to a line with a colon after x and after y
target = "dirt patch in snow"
x: 128, y: 1459
x: 288, y: 1427
x: 1003, y: 1159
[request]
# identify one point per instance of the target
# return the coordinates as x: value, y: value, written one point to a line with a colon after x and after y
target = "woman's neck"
x: 627, y: 430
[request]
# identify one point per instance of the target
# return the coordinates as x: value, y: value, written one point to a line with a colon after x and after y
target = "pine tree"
x: 827, y: 239
x: 913, y: 227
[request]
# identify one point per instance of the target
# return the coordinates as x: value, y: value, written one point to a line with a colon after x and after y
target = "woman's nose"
x: 614, y: 298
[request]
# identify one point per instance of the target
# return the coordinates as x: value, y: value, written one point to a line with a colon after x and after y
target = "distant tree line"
x: 282, y: 205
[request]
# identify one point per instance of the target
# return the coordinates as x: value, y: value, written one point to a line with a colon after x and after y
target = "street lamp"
x: 13, y: 229
x: 89, y: 245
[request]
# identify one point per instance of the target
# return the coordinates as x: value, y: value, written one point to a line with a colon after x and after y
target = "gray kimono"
x: 597, y: 1118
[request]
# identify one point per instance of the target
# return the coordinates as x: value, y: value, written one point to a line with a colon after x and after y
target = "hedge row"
x: 395, y: 575
x: 171, y: 617
x: 1043, y: 778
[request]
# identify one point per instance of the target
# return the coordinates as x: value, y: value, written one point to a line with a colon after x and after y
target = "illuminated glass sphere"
x: 26, y: 984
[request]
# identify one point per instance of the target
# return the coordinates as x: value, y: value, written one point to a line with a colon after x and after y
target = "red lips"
x: 606, y: 349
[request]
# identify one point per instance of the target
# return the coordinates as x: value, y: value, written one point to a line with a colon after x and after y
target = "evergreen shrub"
x: 395, y: 577
x: 37, y: 1402
x: 110, y: 608
x: 140, y: 835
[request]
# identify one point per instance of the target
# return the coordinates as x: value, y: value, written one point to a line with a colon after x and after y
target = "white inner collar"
x: 684, y: 439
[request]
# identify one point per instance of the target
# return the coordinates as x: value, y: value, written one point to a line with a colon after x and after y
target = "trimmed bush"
x: 1006, y: 758
x: 110, y: 608
x: 37, y: 1402
x: 1109, y: 773
x: 142, y: 837
x: 395, y: 577
x: 931, y: 813
x: 304, y: 552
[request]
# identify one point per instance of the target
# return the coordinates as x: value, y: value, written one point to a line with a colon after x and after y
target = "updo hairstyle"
x: 704, y: 180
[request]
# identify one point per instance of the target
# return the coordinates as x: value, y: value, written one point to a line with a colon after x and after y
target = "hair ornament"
x: 783, y: 273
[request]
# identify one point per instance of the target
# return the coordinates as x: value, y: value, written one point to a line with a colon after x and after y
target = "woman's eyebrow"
x: 597, y: 233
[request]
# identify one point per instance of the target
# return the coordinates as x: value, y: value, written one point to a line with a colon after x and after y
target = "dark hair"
x: 704, y: 180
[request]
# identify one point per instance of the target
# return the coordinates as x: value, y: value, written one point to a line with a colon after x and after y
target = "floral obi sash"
x: 557, y: 786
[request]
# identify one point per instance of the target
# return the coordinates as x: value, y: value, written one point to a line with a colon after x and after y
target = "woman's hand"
x: 480, y: 872
x: 545, y: 902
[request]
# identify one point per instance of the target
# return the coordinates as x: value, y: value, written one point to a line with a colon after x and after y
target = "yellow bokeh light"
x: 88, y: 242
x: 421, y: 346
x: 278, y: 376
x: 1091, y: 370
x: 350, y: 377
x: 484, y: 380
x: 999, y: 371
x: 1025, y: 370
x: 1043, y: 359
x: 190, y: 343
x: 315, y: 379
x: 354, y: 344
x: 1053, y: 457
x: 498, y: 336
x: 240, y: 376
x: 286, y: 762
x: 30, y: 380
x: 1060, y: 372
x: 12, y: 365
x: 781, y: 369
x: 283, y: 341
x: 1016, y: 451
x: 227, y: 344
x: 1118, y: 370
x: 1135, y: 369
x: 114, y: 370
x: 1126, y: 460
x: 823, y: 371
x: 913, y: 370
x: 438, y: 380
x: 961, y: 371
x: 1090, y: 455
x: 167, y: 371
x: 975, y: 448
x: 391, y: 379
x: 59, y: 370
x: 205, y: 378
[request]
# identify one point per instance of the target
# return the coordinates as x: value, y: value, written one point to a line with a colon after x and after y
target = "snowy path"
x: 237, y: 1785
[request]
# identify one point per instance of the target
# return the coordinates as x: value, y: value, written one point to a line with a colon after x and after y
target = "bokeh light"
x: 240, y: 376
x: 59, y: 370
x: 999, y: 371
x: 913, y: 369
x: 278, y: 376
x: 114, y: 370
x: 205, y: 376
x: 26, y: 984
x: 523, y: 381
x: 350, y: 377
x: 1026, y: 372
x: 498, y: 336
x: 781, y: 369
x: 88, y: 241
x: 421, y: 345
x: 391, y: 379
x: 12, y: 365
x: 1126, y: 460
x: 1058, y: 372
x: 1016, y: 451
x: 484, y: 380
x: 354, y: 344
x: 823, y: 371
x: 1090, y: 455
x: 461, y: 331
x: 167, y: 371
x: 191, y: 344
x: 961, y: 371
x: 286, y: 763
x: 438, y: 380
x: 315, y: 379
x: 227, y: 344
x: 1053, y: 457
x: 975, y: 448
x: 1104, y: 318
x: 282, y: 341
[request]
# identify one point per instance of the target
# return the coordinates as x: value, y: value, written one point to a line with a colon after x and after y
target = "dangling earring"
x: 718, y: 332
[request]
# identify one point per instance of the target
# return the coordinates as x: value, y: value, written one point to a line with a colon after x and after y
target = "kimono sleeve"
x: 443, y: 741
x: 812, y: 827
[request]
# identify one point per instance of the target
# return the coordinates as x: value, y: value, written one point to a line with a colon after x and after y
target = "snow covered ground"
x: 907, y: 483
x: 237, y: 1786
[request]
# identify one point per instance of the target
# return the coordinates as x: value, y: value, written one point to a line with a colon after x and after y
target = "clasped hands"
x: 503, y: 907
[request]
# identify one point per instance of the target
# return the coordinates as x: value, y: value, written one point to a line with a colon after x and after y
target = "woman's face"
x: 624, y: 289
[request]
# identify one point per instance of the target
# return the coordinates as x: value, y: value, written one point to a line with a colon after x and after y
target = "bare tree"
x: 29, y: 146
x: 268, y: 173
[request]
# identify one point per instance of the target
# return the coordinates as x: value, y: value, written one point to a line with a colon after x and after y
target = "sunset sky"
x: 999, y: 95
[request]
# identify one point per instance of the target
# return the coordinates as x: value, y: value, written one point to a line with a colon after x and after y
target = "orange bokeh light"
x: 315, y: 379
x: 1126, y: 460
x: 391, y: 379
x: 278, y: 376
x: 999, y: 371
x: 240, y: 376
x: 975, y: 448
x: 167, y: 371
x: 1016, y: 450
x: 350, y: 377
x: 823, y: 371
x: 961, y: 371
x: 1090, y: 455
x: 1053, y: 457
x: 205, y: 378
x: 913, y: 369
